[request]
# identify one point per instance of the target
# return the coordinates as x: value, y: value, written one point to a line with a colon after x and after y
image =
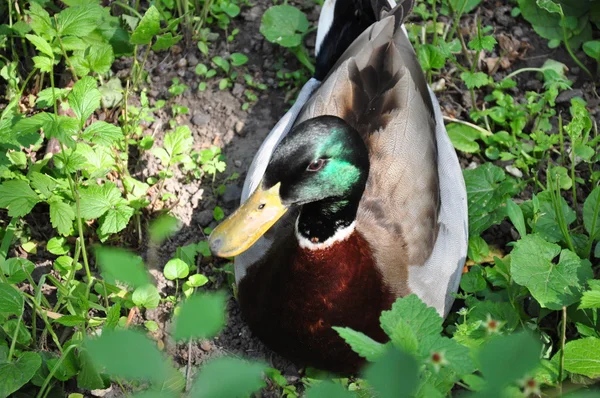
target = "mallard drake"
x: 354, y: 199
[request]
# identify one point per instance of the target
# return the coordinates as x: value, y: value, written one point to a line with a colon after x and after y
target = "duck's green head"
x: 322, y: 161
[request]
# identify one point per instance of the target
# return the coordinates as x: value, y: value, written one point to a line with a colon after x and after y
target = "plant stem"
x: 563, y: 336
x: 570, y: 51
x: 8, y: 235
x: 51, y: 374
x: 15, y: 336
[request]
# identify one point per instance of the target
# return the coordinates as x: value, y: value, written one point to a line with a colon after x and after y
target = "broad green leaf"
x: 163, y: 228
x: 14, y: 375
x: 112, y: 317
x: 127, y: 354
x: 99, y: 161
x: 100, y: 58
x: 284, y: 25
x: 115, y: 220
x: 452, y: 354
x: 43, y: 63
x: 590, y: 299
x: 58, y: 246
x: 238, y: 59
x: 592, y: 49
x: 482, y: 43
x: 327, y: 389
x: 23, y: 334
x: 423, y: 320
x: 166, y: 41
x: 97, y: 200
x: 394, y: 375
x: 16, y: 269
x: 148, y: 27
x: 17, y: 197
x: 78, y: 21
x: 361, y: 344
x: 431, y: 57
x: 218, y: 213
x: 201, y: 316
x: 197, y: 280
x: 478, y: 249
x: 43, y: 183
x: 473, y: 281
x: 553, y: 285
x: 18, y: 159
x: 176, y: 269
x: 591, y: 213
x: 582, y: 357
x: 117, y: 264
x: 45, y: 98
x: 42, y: 45
x: 88, y: 377
x: 515, y: 214
x: 463, y: 137
x: 61, y: 216
x: 546, y: 223
x: 84, y: 98
x: 228, y: 377
x: 40, y: 20
x: 146, y: 296
x: 520, y: 350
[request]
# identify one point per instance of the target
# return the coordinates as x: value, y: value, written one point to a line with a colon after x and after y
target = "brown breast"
x: 292, y: 300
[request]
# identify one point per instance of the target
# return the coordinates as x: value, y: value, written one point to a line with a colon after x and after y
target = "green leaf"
x: 228, y: 377
x: 591, y: 213
x: 478, y: 249
x: 550, y: 6
x: 164, y: 227
x: 115, y: 220
x: 97, y: 200
x: 452, y: 354
x: 552, y: 285
x: 63, y: 128
x: 592, y: 49
x: 78, y: 21
x: 475, y: 79
x: 14, y: 375
x: 284, y: 25
x: 58, y: 246
x: 238, y: 59
x: 221, y: 63
x: 218, y: 213
x: 45, y: 98
x: 423, y: 321
x: 546, y: 223
x: 166, y: 41
x: 40, y: 20
x: 70, y: 320
x: 361, y: 344
x: 590, y: 299
x: 176, y: 269
x: 515, y: 214
x: 581, y: 357
x: 84, y: 98
x: 112, y: 316
x: 480, y: 43
x: 473, y: 281
x: 146, y: 296
x: 327, y: 389
x: 100, y: 58
x: 89, y: 377
x: 520, y: 350
x: 178, y: 143
x: 197, y: 280
x: 17, y: 269
x: 43, y: 63
x: 121, y: 265
x: 43, y: 183
x: 201, y: 316
x: 431, y: 57
x: 61, y: 216
x: 17, y: 197
x: 42, y: 45
x: 394, y: 375
x: 127, y: 354
x: 148, y: 27
x: 463, y: 137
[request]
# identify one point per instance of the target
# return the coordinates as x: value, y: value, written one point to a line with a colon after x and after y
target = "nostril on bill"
x: 215, y: 245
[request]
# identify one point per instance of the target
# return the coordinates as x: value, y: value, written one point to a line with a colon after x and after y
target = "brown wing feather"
x: 378, y: 87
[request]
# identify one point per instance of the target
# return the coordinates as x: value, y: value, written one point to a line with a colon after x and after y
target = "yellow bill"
x: 248, y: 223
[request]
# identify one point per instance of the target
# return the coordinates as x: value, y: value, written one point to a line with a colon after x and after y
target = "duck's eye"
x: 316, y: 165
x: 261, y: 206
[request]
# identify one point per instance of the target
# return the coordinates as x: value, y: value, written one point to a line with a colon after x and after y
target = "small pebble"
x: 512, y: 170
x: 182, y: 63
x: 200, y: 119
x: 239, y: 126
x: 237, y: 163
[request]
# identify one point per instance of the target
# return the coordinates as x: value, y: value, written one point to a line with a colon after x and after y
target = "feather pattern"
x: 413, y: 212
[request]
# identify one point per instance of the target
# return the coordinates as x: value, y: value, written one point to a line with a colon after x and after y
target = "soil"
x: 216, y: 118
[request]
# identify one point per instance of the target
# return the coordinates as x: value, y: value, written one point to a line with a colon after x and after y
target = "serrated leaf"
x: 148, y: 27
x: 45, y: 98
x: 178, y: 142
x: 70, y: 320
x: 112, y: 316
x: 61, y: 216
x: 115, y: 219
x: 89, y: 377
x: 165, y: 41
x: 480, y: 43
x: 146, y: 296
x: 18, y: 197
x: 127, y: 354
x: 546, y: 223
x: 431, y: 57
x: 100, y: 57
x: 590, y: 299
x: 97, y: 200
x: 284, y: 25
x: 361, y: 344
x: 176, y: 269
x: 473, y: 281
x: 43, y: 183
x: 14, y: 375
x: 84, y: 98
x: 201, y: 316
x: 78, y: 21
x: 228, y: 377
x: 43, y: 63
x: 423, y: 320
x: 41, y: 44
x: 552, y: 285
x: 581, y: 357
x: 455, y: 355
x: 475, y: 79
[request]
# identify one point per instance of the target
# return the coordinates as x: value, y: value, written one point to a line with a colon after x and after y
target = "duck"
x: 356, y: 197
